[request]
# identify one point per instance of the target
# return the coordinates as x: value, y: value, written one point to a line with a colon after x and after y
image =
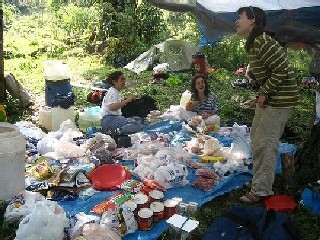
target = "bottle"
x: 185, y: 98
x: 122, y: 223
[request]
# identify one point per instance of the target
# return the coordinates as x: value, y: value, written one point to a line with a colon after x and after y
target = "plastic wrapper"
x: 207, y: 173
x: 109, y: 219
x: 205, y: 184
x: 132, y: 186
x: 78, y: 221
x: 111, y: 203
x: 93, y: 231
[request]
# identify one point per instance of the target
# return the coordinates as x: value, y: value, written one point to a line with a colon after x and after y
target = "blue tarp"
x: 311, y: 199
x: 187, y: 193
x: 290, y: 20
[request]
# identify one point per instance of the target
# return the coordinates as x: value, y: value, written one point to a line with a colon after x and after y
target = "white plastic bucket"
x: 12, y: 160
x: 55, y: 70
x: 59, y: 115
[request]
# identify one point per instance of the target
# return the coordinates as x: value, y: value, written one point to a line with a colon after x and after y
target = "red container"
x: 170, y: 208
x: 158, y: 211
x: 199, y: 65
x: 145, y: 219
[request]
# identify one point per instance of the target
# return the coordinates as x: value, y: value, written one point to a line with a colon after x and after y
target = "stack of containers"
x: 57, y: 82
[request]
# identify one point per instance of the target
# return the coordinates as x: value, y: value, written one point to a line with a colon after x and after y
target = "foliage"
x: 9, y: 13
x: 229, y: 54
x: 76, y: 21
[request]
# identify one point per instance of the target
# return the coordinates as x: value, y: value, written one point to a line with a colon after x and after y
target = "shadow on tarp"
x: 187, y: 193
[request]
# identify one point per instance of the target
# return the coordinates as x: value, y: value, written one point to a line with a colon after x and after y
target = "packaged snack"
x: 207, y: 173
x: 211, y: 159
x: 132, y: 186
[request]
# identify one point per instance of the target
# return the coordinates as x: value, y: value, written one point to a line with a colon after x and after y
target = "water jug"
x: 185, y: 98
x: 60, y: 115
x: 198, y: 64
x: 45, y: 117
x: 56, y: 71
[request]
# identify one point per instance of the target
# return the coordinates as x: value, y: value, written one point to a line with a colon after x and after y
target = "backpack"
x: 252, y: 223
x: 96, y: 96
x: 140, y: 107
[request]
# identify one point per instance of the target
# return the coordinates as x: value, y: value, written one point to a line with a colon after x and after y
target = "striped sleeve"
x: 273, y: 57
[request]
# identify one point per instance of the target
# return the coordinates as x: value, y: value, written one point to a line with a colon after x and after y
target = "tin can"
x: 177, y: 199
x: 156, y: 196
x: 170, y: 208
x: 183, y: 208
x: 145, y: 219
x: 192, y: 207
x: 141, y: 200
x: 158, y: 211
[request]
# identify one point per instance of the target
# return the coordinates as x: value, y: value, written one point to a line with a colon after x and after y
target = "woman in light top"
x: 112, y: 103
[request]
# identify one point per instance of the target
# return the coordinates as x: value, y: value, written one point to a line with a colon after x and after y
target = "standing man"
x: 277, y: 97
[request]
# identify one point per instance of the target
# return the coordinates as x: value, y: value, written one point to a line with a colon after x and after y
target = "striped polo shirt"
x: 270, y: 66
x: 209, y: 105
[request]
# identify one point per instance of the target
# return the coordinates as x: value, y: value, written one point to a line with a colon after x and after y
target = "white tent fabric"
x: 290, y: 20
x: 176, y: 53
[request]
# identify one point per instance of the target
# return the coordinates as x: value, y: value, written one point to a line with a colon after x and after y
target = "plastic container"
x: 185, y: 98
x: 90, y: 117
x: 60, y: 115
x: 12, y: 178
x: 56, y: 70
x: 45, y: 117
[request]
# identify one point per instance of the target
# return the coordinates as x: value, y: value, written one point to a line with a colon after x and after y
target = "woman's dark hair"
x: 194, y: 91
x: 114, y: 76
x: 259, y: 17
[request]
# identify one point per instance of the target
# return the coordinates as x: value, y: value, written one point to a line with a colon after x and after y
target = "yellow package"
x: 211, y: 159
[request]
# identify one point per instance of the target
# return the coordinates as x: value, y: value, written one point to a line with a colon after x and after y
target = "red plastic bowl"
x: 281, y: 203
x: 108, y: 176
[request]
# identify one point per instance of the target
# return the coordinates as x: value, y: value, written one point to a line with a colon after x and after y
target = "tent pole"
x: 2, y: 80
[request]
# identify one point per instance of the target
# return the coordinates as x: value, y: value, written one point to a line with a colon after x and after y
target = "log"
x: 288, y: 172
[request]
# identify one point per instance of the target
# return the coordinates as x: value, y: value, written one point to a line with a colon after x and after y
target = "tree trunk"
x: 2, y: 80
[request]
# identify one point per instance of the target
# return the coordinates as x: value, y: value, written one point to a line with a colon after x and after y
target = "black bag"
x: 141, y: 107
x: 251, y: 223
x: 64, y: 100
x: 121, y: 139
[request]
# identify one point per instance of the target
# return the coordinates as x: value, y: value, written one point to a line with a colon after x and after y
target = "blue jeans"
x: 125, y: 125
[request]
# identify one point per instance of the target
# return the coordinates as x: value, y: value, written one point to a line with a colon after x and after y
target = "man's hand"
x: 262, y: 101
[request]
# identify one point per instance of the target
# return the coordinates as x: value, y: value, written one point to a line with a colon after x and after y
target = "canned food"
x: 156, y: 196
x: 158, y: 211
x: 141, y: 200
x: 192, y: 207
x: 183, y: 208
x: 177, y: 199
x: 170, y: 208
x: 145, y: 219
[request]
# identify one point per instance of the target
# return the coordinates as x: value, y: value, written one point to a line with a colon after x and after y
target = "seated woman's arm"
x: 118, y: 105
